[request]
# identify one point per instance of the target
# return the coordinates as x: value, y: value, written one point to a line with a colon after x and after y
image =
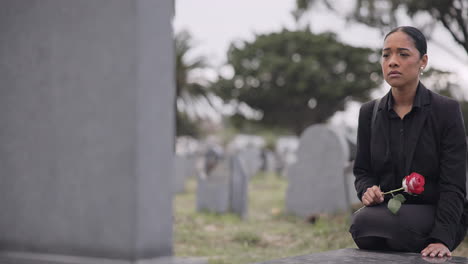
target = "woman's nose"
x: 392, y: 62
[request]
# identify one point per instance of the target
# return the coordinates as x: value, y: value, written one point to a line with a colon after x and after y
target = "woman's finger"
x: 378, y: 195
x: 365, y: 201
x: 444, y: 252
x: 434, y: 252
x: 436, y: 249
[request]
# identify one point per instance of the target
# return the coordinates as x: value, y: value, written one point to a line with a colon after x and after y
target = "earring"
x: 422, y: 73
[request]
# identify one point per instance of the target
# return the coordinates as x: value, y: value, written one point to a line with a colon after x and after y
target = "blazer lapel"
x: 381, y: 126
x: 416, y: 127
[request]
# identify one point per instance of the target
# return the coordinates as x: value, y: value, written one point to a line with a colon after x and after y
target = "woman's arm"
x: 362, y: 164
x: 452, y: 180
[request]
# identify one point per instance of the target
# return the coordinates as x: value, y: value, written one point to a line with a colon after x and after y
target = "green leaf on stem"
x: 400, y: 198
x: 394, y: 205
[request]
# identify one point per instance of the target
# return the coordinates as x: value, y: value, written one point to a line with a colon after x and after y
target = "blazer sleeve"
x: 362, y: 164
x: 451, y: 185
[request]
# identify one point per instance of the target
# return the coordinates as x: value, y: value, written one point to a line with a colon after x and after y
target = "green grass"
x: 266, y: 233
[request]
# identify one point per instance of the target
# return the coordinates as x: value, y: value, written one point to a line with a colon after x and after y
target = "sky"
x: 215, y: 24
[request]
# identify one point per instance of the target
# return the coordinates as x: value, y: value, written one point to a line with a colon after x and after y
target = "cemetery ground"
x: 266, y: 233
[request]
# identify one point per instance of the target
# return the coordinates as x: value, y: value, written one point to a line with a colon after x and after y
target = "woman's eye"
x: 404, y: 54
x: 385, y: 55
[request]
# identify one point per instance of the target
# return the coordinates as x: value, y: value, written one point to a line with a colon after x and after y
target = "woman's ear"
x: 424, y: 61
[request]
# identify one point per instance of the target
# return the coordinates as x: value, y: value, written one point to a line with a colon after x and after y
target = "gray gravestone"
x: 286, y: 153
x: 86, y: 139
x: 213, y: 191
x: 191, y: 168
x: 269, y: 161
x: 180, y: 164
x: 316, y: 181
x: 251, y: 160
x: 239, y: 188
x: 349, y: 181
x: 224, y: 189
x: 184, y: 168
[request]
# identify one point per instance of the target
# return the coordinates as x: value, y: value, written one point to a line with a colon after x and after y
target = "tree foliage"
x: 453, y: 14
x: 442, y: 82
x: 183, y: 45
x: 186, y: 88
x: 382, y: 14
x: 296, y: 78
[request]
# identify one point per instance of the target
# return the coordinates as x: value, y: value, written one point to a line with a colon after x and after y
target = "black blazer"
x: 436, y: 149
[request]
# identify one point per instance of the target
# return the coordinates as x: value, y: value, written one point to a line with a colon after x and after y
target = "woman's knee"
x: 371, y: 243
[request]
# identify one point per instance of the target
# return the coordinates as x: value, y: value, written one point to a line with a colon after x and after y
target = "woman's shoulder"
x: 443, y: 106
x: 442, y: 100
x: 368, y: 106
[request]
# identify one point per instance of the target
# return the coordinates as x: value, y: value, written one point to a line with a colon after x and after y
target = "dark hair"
x: 415, y: 34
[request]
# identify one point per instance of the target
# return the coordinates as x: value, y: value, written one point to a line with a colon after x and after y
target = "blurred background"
x: 276, y: 67
x: 275, y: 84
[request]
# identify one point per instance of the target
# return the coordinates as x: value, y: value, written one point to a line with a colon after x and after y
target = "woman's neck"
x: 404, y: 96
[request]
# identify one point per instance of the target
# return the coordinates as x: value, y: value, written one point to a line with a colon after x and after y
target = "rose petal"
x: 414, y: 183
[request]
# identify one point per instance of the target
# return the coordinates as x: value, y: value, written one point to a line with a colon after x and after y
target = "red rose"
x: 414, y: 183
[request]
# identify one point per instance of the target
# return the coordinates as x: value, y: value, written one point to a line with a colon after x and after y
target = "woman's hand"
x: 372, y: 196
x: 436, y: 249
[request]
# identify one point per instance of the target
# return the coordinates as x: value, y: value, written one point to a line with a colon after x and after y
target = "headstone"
x: 286, y: 153
x: 187, y: 146
x: 239, y: 188
x: 191, y: 168
x: 316, y: 181
x: 269, y: 163
x: 243, y: 141
x: 224, y: 189
x: 86, y: 135
x: 28, y: 258
x: 181, y: 171
x: 213, y: 191
x: 349, y: 183
x: 251, y: 160
x: 212, y: 156
x: 184, y: 168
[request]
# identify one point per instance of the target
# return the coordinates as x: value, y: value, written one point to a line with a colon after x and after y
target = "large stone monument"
x: 316, y: 182
x: 86, y: 135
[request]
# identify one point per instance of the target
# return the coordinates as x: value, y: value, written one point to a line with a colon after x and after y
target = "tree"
x: 442, y: 82
x: 296, y: 78
x: 453, y: 14
x: 186, y: 89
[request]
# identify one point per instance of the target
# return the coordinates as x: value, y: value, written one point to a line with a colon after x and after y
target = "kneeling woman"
x: 411, y: 129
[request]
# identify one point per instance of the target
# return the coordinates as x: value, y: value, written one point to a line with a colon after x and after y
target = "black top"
x: 399, y: 137
x: 433, y: 145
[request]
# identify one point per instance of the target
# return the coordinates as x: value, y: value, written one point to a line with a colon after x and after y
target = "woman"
x: 411, y: 129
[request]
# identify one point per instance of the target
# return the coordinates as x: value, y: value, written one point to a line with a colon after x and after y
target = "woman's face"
x: 401, y: 61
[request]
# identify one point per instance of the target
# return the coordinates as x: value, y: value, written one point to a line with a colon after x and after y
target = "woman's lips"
x: 394, y: 74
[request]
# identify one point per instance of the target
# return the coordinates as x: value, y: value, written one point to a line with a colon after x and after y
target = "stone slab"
x: 354, y: 256
x: 31, y: 258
